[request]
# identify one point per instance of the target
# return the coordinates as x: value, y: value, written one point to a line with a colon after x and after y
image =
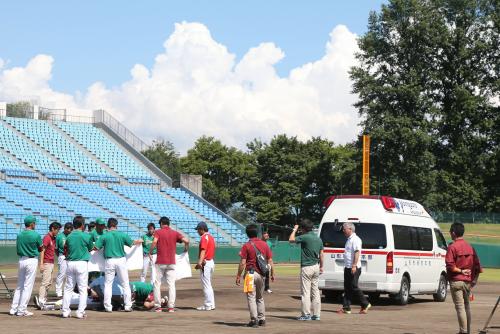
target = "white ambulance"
x: 403, y: 248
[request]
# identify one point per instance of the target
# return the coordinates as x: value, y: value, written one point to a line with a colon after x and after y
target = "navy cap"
x: 201, y: 225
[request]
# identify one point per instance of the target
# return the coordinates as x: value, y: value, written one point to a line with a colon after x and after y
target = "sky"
x: 230, y: 69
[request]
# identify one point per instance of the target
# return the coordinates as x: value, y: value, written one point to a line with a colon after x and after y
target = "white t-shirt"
x: 352, y: 245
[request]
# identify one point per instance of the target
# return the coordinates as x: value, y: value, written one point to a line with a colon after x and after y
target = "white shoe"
x: 109, y: 310
x: 205, y: 308
x: 66, y: 315
x: 24, y: 314
x: 12, y: 312
x: 128, y: 309
x: 81, y: 316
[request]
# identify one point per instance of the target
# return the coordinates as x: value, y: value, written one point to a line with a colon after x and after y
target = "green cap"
x: 28, y: 220
x: 100, y: 221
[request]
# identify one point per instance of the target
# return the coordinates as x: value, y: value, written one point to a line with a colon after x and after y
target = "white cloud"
x: 196, y: 87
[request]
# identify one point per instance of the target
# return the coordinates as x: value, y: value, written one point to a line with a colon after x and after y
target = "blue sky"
x: 101, y: 40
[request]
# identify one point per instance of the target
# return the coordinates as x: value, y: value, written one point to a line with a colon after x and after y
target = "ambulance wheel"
x: 404, y: 292
x: 440, y: 295
x: 332, y: 296
x: 374, y: 297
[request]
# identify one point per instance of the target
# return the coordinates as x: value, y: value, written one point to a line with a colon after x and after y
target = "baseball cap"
x: 100, y: 221
x: 201, y: 225
x: 28, y: 220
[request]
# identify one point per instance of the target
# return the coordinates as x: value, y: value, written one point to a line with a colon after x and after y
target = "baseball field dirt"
x: 422, y: 315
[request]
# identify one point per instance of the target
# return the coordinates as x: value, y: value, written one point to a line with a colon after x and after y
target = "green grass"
x: 490, y: 275
x: 477, y: 233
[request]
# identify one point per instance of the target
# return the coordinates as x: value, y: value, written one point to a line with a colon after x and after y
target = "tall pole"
x: 366, y: 165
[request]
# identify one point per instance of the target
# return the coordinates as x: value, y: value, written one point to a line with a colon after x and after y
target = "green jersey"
x: 28, y: 243
x: 142, y: 290
x: 310, y: 246
x: 78, y: 246
x: 146, y: 244
x: 94, y: 235
x: 113, y: 243
x: 60, y: 241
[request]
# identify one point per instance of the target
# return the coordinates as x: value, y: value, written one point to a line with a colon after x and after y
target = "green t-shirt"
x: 60, y: 241
x: 269, y: 243
x: 142, y: 290
x: 310, y: 245
x: 78, y: 245
x: 146, y: 245
x: 113, y: 243
x: 94, y: 235
x: 28, y: 243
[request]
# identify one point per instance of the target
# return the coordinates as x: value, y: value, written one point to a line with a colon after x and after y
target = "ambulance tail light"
x: 389, y: 264
x: 328, y: 201
x: 388, y: 202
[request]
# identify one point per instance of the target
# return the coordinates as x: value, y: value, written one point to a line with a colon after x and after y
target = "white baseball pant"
x: 118, y: 266
x: 61, y: 274
x: 166, y: 271
x: 25, y: 280
x: 146, y: 263
x: 77, y: 273
x: 206, y: 282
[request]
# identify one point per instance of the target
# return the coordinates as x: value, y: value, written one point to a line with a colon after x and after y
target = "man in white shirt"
x: 352, y: 271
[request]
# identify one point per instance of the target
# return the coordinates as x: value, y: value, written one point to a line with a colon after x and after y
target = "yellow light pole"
x: 366, y: 165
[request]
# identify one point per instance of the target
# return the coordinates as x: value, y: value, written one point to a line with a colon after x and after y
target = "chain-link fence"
x: 467, y: 217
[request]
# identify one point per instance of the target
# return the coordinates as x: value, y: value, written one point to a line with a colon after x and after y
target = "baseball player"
x: 77, y: 250
x: 96, y: 234
x: 61, y: 258
x: 47, y: 261
x: 28, y: 245
x: 113, y: 243
x: 165, y: 240
x: 206, y: 266
x: 147, y: 240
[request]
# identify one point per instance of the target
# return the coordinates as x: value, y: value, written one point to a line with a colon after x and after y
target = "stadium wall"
x: 283, y: 252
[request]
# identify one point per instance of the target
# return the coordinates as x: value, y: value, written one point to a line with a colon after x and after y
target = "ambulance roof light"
x: 328, y: 201
x: 388, y: 202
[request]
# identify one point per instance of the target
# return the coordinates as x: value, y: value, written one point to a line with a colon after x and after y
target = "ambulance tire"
x: 440, y: 295
x: 374, y: 297
x: 332, y: 296
x: 403, y: 296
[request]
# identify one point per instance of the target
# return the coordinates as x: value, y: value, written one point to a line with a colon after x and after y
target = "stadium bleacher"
x: 72, y: 176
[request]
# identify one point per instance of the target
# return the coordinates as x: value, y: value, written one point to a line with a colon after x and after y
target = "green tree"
x: 224, y: 170
x: 163, y: 154
x: 427, y: 81
x: 274, y: 191
x: 22, y: 109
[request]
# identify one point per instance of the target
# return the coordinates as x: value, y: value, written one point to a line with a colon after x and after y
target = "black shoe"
x: 253, y: 324
x: 262, y: 323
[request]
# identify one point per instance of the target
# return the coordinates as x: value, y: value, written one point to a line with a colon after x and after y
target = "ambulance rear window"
x: 373, y: 236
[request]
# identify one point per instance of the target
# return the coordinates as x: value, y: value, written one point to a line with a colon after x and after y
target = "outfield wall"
x: 283, y: 252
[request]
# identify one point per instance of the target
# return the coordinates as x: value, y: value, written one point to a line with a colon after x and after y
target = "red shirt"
x: 167, y: 239
x: 207, y: 242
x: 49, y: 242
x: 248, y: 252
x: 461, y: 255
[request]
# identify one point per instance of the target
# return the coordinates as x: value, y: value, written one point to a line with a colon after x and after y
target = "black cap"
x: 201, y: 225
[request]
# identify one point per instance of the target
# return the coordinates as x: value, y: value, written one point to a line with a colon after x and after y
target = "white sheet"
x: 182, y: 266
x: 133, y: 255
x: 135, y: 258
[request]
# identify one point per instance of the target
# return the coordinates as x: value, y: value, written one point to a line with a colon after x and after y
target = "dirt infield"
x: 421, y: 316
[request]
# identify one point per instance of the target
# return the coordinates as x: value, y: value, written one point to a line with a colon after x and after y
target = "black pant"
x: 266, y: 281
x: 351, y: 288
